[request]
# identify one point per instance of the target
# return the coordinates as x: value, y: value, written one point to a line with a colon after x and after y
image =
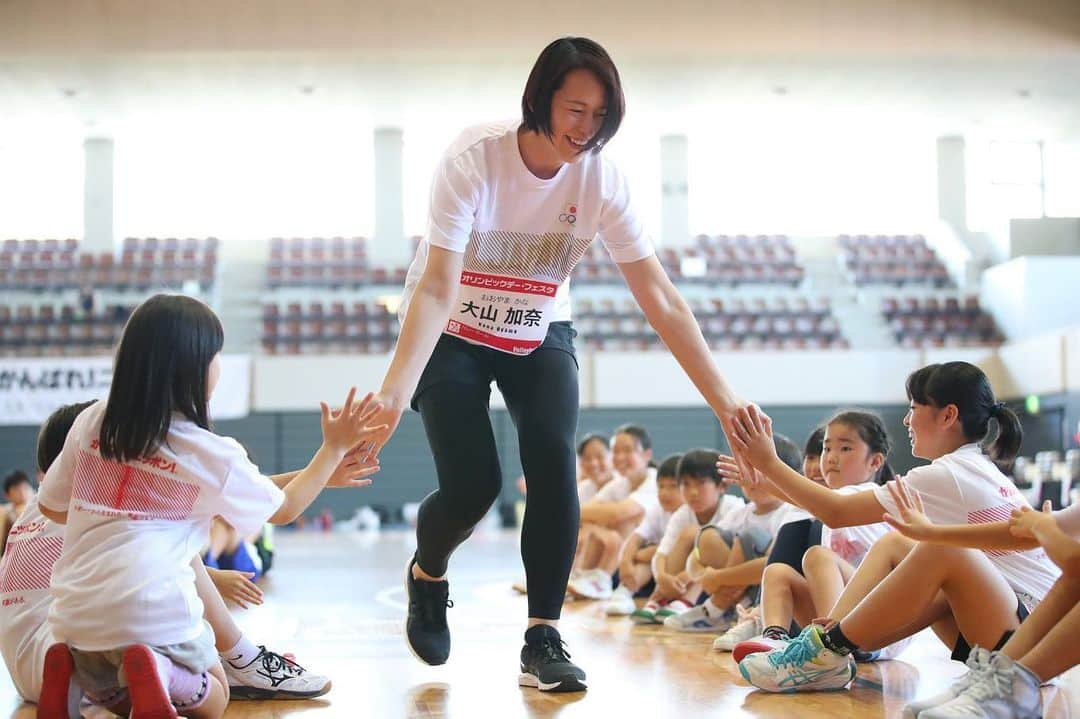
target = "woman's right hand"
x: 387, y: 418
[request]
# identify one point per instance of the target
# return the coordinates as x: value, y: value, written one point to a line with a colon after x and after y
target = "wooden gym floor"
x: 336, y: 601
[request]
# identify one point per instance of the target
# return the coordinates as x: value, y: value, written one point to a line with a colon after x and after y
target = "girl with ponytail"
x: 969, y: 597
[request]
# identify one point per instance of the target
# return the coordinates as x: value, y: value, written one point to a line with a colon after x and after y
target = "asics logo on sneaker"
x: 800, y: 677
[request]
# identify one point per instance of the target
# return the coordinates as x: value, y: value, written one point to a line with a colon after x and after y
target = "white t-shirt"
x: 34, y: 545
x: 620, y: 488
x: 521, y: 235
x: 124, y: 576
x: 651, y: 529
x: 746, y: 517
x: 852, y: 543
x: 684, y: 517
x: 965, y: 487
x: 587, y: 489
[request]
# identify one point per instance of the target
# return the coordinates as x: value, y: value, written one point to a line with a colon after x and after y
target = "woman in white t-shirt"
x: 854, y: 458
x: 138, y: 481
x: 514, y: 206
x: 967, y: 596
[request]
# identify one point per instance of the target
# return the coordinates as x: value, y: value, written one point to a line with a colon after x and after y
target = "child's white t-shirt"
x: 746, y: 517
x: 651, y: 529
x: 852, y: 543
x: 133, y: 528
x: 34, y: 545
x: 586, y: 490
x: 965, y: 487
x: 684, y: 517
x: 621, y: 488
x: 521, y: 235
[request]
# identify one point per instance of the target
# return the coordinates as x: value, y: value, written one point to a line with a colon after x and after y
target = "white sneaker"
x: 621, y: 603
x: 594, y: 584
x: 1005, y: 689
x: 272, y: 676
x: 804, y: 664
x: 702, y: 618
x: 748, y: 628
x: 977, y: 662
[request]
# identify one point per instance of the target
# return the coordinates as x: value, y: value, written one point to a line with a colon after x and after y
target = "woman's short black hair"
x: 559, y: 58
x: 161, y: 367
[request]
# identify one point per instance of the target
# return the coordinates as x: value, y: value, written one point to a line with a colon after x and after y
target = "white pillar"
x: 98, y: 195
x: 674, y: 191
x: 952, y: 183
x: 390, y: 247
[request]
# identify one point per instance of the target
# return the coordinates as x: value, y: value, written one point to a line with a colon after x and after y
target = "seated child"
x: 25, y: 575
x: 856, y: 446
x: 635, y: 563
x: 706, y: 503
x: 1005, y: 682
x: 798, y: 532
x: 729, y: 557
x: 611, y: 516
x: 18, y: 491
x: 138, y: 481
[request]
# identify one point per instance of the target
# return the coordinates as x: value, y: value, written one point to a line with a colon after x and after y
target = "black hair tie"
x: 998, y: 408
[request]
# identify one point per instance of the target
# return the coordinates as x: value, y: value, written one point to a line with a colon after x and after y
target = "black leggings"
x: 541, y: 393
x: 792, y: 541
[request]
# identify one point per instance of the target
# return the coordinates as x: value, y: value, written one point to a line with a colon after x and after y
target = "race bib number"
x: 508, y: 314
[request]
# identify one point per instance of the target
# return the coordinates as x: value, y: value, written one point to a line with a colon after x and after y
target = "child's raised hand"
x: 752, y: 438
x: 346, y: 428
x: 1023, y: 521
x: 912, y: 521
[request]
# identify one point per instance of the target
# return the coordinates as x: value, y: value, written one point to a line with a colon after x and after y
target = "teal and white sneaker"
x: 804, y: 665
x: 977, y: 662
x: 1006, y: 689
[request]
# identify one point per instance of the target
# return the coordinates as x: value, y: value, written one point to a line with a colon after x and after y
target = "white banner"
x: 31, y: 389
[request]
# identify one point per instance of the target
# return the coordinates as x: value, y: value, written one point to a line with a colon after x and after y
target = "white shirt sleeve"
x: 621, y: 231
x: 941, y: 496
x: 55, y: 491
x: 248, y: 498
x: 454, y: 198
x: 675, y: 526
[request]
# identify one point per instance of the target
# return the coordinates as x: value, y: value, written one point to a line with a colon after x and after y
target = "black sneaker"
x: 426, y: 632
x: 545, y: 663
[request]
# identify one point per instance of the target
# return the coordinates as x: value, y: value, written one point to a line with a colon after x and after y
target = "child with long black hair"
x: 967, y: 596
x: 139, y: 479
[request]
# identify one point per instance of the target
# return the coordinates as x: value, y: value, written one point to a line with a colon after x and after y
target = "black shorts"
x: 962, y: 649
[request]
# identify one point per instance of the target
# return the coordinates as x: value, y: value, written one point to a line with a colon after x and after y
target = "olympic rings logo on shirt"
x: 570, y: 216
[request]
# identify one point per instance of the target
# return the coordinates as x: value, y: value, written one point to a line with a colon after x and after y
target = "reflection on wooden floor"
x: 336, y: 601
